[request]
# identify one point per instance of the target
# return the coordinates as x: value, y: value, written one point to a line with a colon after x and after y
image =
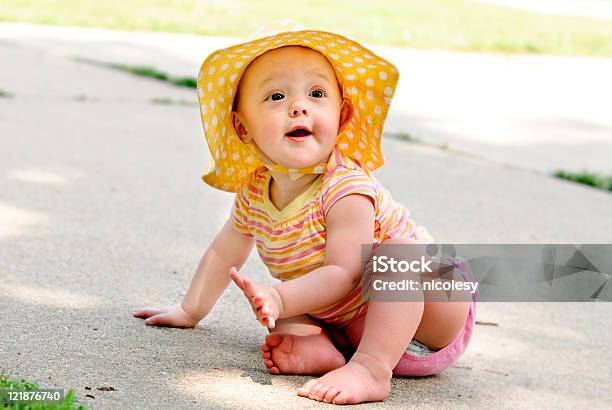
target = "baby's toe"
x: 341, y: 398
x: 304, y: 391
x: 273, y: 340
x: 321, y: 392
x: 314, y: 389
x: 330, y: 395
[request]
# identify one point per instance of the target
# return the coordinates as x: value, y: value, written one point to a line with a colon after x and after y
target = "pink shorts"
x: 432, y: 363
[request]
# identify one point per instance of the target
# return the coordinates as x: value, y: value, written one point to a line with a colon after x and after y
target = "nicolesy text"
x: 409, y: 284
x: 385, y: 264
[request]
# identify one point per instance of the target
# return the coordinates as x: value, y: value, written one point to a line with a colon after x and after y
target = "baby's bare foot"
x: 364, y: 378
x: 290, y: 354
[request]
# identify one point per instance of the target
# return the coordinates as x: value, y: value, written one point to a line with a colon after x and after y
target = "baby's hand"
x: 264, y: 299
x: 172, y: 316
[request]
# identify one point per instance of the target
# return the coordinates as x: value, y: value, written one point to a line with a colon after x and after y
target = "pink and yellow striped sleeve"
x: 240, y: 212
x: 345, y: 182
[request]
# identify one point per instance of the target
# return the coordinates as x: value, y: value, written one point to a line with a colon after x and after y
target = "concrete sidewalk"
x: 539, y: 113
x: 102, y: 211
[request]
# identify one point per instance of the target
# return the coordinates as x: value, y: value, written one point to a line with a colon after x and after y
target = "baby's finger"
x: 258, y: 301
x: 249, y: 287
x: 166, y: 319
x: 238, y: 280
x: 254, y: 309
x: 269, y: 322
x: 266, y: 317
x: 147, y: 312
x: 265, y: 311
x: 158, y: 320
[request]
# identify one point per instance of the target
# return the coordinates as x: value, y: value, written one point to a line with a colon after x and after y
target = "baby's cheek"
x: 329, y: 127
x: 332, y: 135
x: 270, y: 131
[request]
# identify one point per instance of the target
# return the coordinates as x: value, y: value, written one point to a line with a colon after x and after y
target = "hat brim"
x: 367, y: 81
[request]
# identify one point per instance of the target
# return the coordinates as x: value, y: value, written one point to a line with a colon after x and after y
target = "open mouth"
x: 299, y: 133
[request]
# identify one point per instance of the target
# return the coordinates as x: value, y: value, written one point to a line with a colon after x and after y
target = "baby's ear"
x: 346, y: 113
x: 238, y: 123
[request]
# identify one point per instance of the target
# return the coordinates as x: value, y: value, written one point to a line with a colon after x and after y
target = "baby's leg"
x: 389, y: 327
x: 299, y: 345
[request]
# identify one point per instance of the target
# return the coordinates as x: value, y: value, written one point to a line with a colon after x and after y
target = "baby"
x: 294, y: 123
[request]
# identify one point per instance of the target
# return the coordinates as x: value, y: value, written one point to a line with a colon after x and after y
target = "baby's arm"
x: 229, y: 248
x: 350, y: 224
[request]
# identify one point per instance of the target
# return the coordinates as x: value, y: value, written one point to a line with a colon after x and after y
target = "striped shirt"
x: 291, y: 241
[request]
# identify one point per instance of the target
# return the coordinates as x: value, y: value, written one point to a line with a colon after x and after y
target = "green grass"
x: 5, y: 94
x: 188, y: 82
x: 587, y: 178
x: 414, y: 139
x: 69, y: 402
x: 142, y: 71
x: 442, y: 24
x: 150, y: 72
x: 170, y: 101
x: 403, y: 136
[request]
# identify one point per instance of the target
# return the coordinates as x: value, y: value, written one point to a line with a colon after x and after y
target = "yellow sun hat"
x: 365, y: 79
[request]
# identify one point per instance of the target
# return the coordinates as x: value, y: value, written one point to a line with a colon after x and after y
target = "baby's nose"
x: 298, y: 109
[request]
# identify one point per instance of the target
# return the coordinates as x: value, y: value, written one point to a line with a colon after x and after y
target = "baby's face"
x: 290, y: 105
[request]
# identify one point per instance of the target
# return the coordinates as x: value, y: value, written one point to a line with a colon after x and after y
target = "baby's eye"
x: 276, y: 96
x: 318, y: 93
